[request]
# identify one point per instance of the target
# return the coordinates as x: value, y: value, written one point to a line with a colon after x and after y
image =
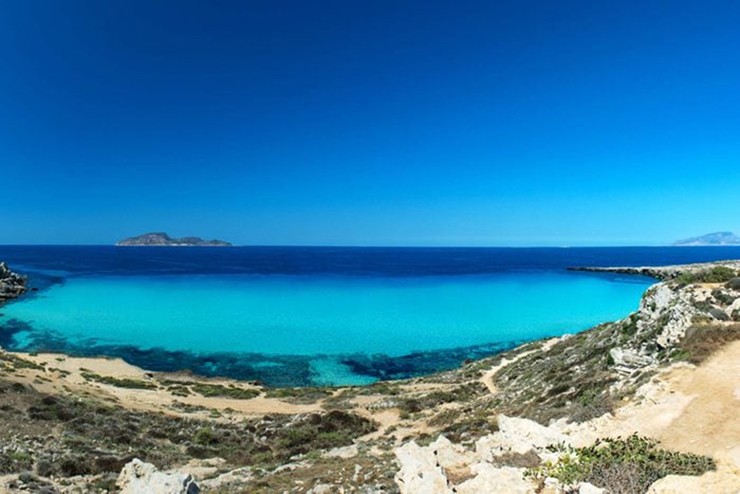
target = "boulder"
x: 626, y: 360
x: 491, y: 479
x: 138, y: 477
x: 12, y: 284
x: 420, y: 472
x: 517, y: 435
x: 589, y: 488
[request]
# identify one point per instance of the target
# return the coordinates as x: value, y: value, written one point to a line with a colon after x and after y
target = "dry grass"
x: 703, y: 341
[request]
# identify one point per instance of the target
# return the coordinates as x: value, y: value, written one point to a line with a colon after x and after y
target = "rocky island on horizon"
x: 161, y: 239
x: 716, y: 238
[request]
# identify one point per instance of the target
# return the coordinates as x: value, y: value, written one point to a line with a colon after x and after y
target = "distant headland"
x: 717, y: 238
x: 161, y: 239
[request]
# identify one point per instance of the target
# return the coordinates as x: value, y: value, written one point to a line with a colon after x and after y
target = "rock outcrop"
x: 447, y: 468
x: 659, y: 272
x: 138, y: 477
x: 12, y: 284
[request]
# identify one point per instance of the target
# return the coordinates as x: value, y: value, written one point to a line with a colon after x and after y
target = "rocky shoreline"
x: 662, y: 273
x: 509, y: 423
x: 12, y: 285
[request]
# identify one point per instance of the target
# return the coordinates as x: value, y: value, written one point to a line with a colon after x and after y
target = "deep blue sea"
x: 297, y: 316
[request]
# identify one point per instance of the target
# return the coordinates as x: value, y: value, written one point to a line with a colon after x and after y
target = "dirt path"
x: 710, y: 423
x: 487, y: 377
x: 689, y: 409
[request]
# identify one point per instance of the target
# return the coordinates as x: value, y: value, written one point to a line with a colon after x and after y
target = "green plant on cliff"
x: 627, y: 466
x: 717, y: 274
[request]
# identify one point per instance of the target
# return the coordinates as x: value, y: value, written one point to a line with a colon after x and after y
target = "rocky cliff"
x: 12, y: 284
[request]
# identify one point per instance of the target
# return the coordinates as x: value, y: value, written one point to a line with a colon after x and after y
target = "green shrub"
x: 719, y: 314
x: 627, y: 466
x: 722, y: 297
x: 119, y: 383
x: 733, y: 284
x: 300, y: 395
x: 217, y: 390
x: 717, y: 274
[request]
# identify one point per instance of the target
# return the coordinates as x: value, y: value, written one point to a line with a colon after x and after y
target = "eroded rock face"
x: 443, y: 466
x: 519, y: 436
x: 138, y: 477
x: 669, y: 310
x: 12, y: 284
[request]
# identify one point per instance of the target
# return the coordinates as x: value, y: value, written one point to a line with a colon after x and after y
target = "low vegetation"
x: 571, y: 379
x: 717, y: 274
x: 220, y: 391
x: 701, y: 342
x: 119, y: 383
x: 67, y: 436
x: 299, y: 395
x: 626, y: 466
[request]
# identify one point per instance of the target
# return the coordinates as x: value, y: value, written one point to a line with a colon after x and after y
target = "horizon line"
x: 360, y: 246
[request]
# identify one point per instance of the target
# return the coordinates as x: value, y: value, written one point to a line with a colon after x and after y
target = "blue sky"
x: 369, y: 123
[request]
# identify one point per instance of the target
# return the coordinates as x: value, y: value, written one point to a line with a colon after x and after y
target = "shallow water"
x: 284, y: 315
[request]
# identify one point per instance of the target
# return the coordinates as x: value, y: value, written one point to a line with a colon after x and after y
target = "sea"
x: 316, y: 316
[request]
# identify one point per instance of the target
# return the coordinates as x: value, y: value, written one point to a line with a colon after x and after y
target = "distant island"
x: 717, y: 238
x: 161, y: 239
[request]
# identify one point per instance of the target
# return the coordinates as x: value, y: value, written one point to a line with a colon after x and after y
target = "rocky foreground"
x: 645, y: 404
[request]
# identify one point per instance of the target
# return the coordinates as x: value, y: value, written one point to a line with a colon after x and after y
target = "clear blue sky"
x: 370, y: 122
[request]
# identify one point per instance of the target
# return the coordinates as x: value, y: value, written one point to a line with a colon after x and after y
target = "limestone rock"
x: 491, y: 479
x: 345, y: 452
x: 443, y: 466
x: 627, y: 360
x: 672, y: 309
x: 138, y: 477
x: 233, y: 478
x: 517, y: 435
x: 419, y: 473
x: 589, y: 488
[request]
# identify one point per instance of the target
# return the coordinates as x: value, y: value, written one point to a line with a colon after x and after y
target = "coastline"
x: 633, y: 370
x: 661, y: 273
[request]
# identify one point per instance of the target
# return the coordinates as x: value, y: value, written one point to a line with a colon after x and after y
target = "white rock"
x: 321, y: 489
x: 419, y: 473
x: 517, y: 435
x: 448, y: 455
x: 629, y: 358
x: 138, y: 477
x: 589, y: 488
x: 232, y: 478
x: 491, y: 479
x: 553, y: 486
x: 345, y: 452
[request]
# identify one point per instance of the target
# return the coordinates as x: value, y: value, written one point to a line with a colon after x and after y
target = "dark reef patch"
x: 384, y: 367
x: 269, y: 370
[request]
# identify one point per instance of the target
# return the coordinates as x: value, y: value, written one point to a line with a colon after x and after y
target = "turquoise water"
x: 325, y: 316
x: 299, y: 316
